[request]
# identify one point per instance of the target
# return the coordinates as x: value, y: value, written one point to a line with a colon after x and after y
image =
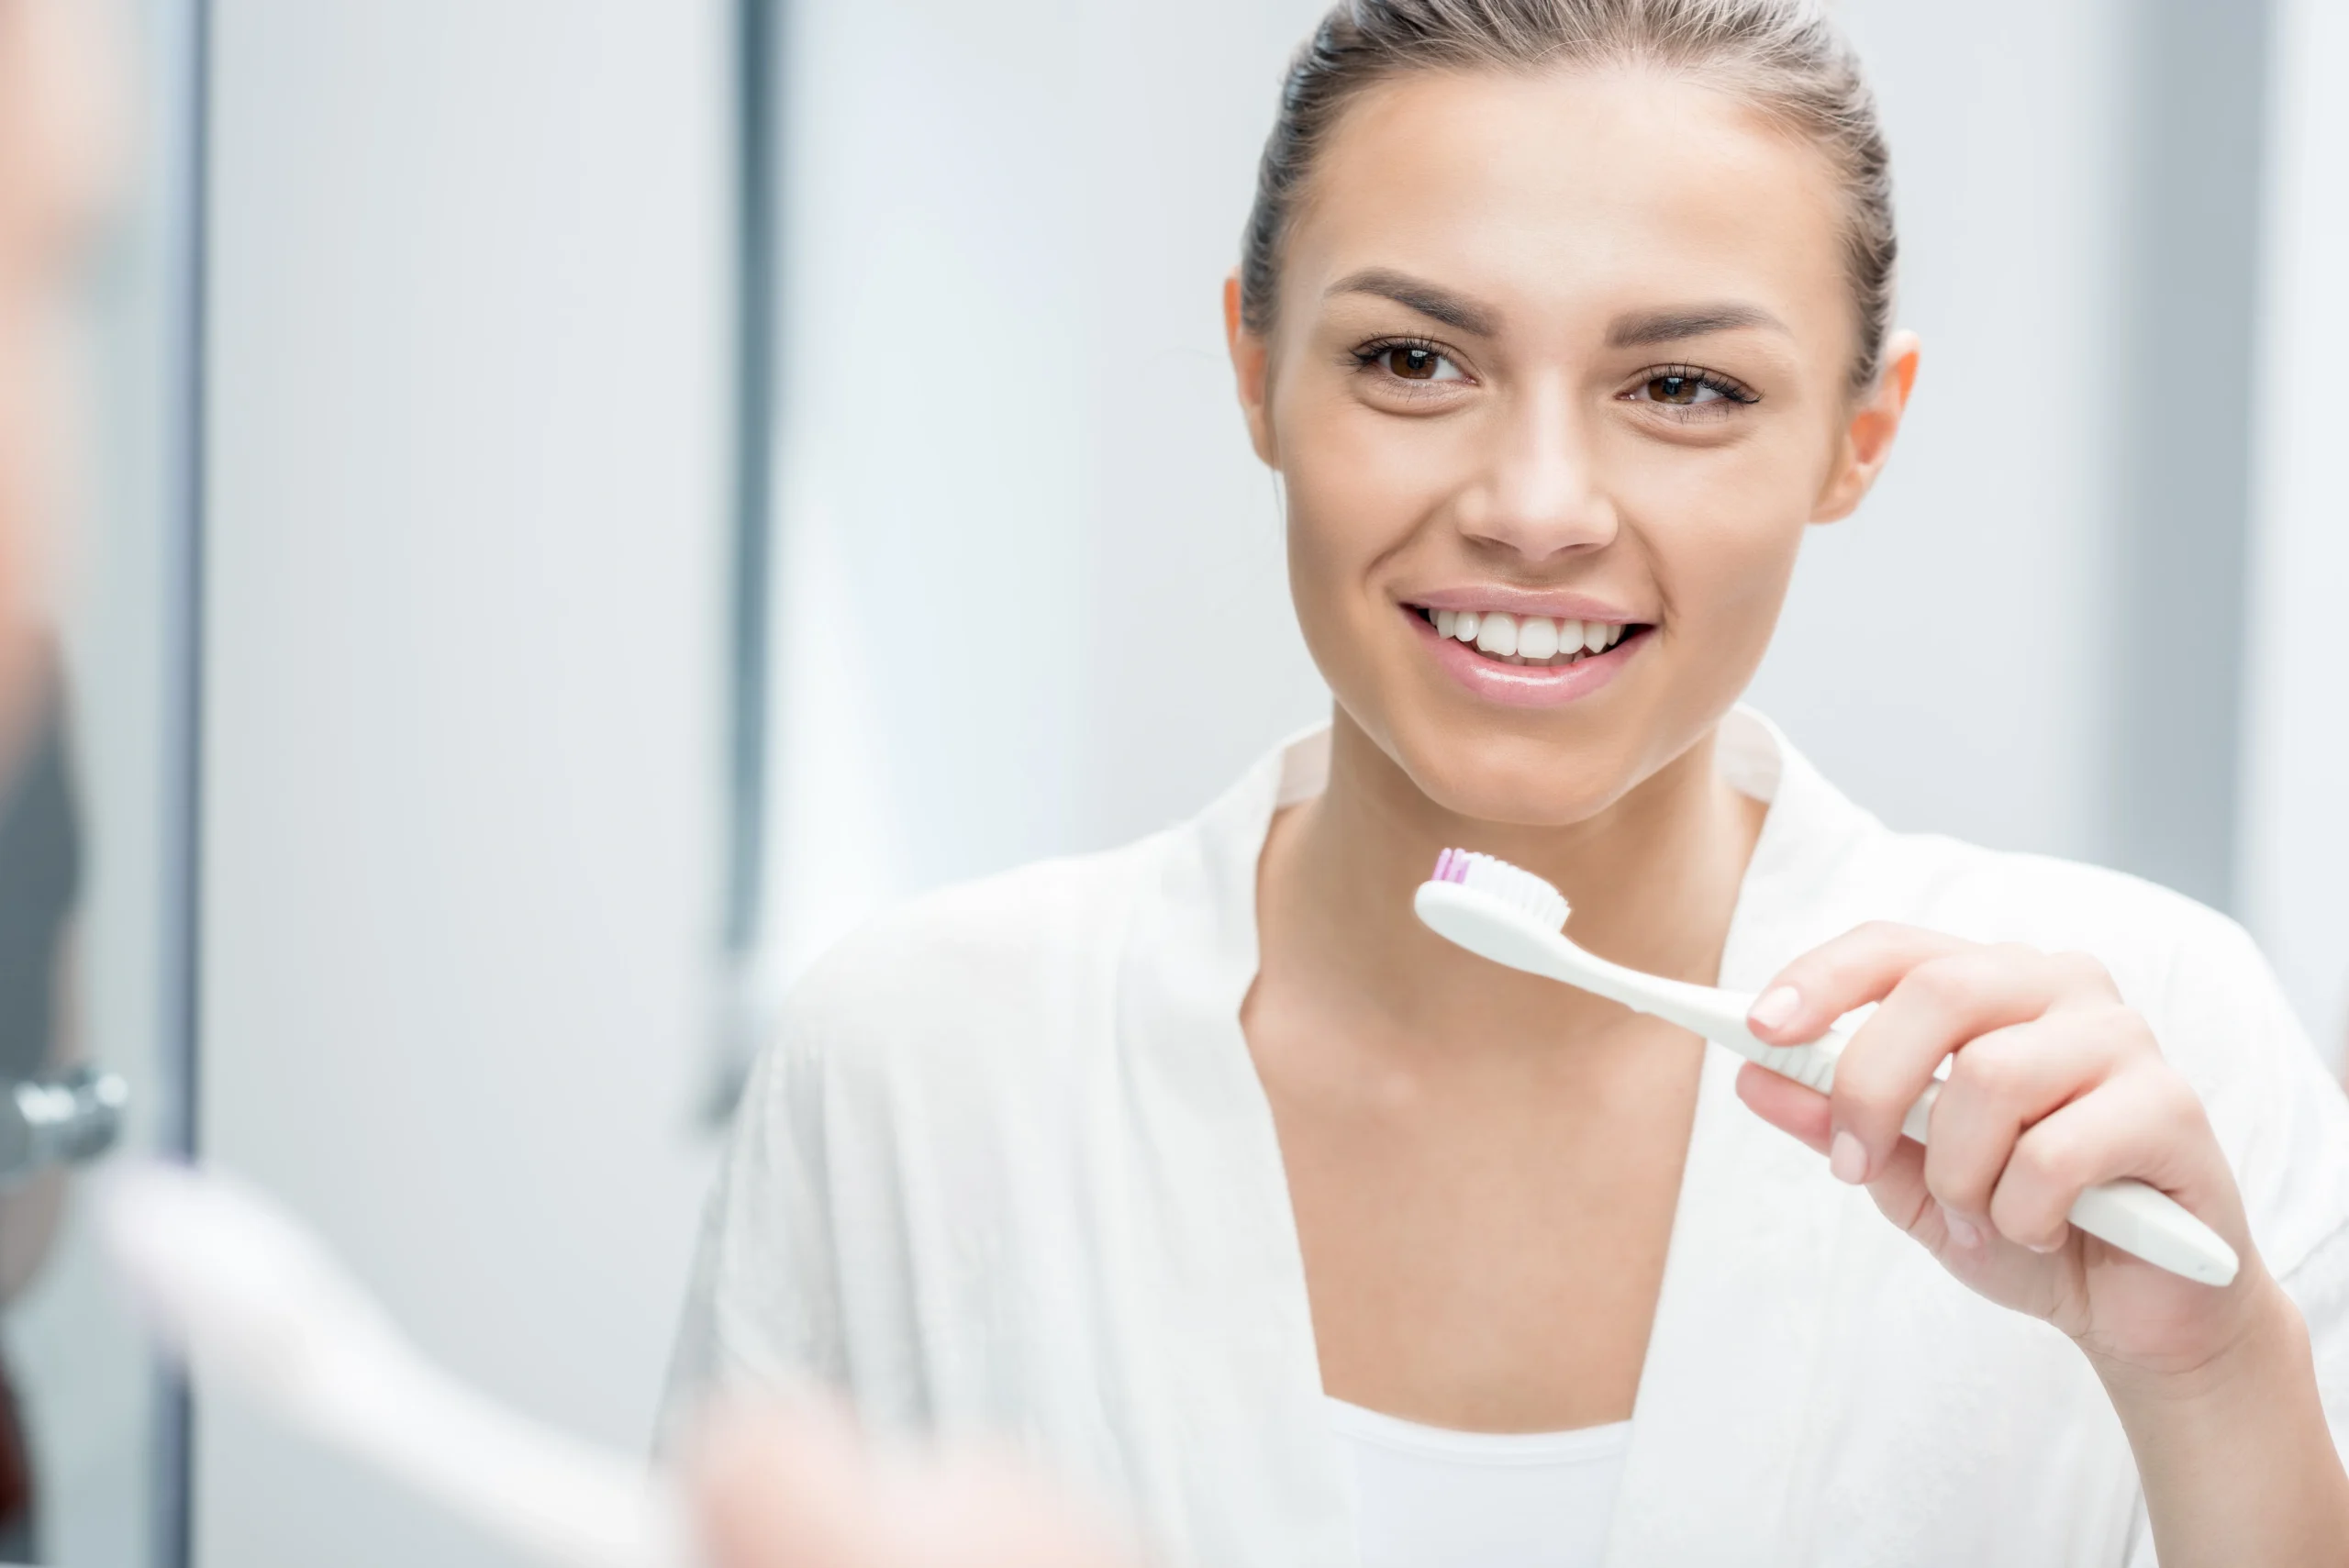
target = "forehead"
x: 1565, y: 194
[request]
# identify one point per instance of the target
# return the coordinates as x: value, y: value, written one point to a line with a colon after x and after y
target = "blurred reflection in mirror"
x: 60, y: 127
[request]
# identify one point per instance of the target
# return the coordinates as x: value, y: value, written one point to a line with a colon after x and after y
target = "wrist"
x: 2238, y: 1465
x: 2262, y: 1342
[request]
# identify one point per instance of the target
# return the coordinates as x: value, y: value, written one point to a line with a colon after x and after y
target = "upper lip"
x: 1556, y: 605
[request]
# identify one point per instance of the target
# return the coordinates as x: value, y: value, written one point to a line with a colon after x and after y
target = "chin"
x: 1517, y: 781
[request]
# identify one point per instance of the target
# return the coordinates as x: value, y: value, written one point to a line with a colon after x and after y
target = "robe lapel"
x: 1233, y: 1450
x: 1720, y: 1446
x: 1718, y: 1431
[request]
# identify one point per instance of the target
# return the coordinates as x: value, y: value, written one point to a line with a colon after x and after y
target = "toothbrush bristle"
x: 1513, y: 885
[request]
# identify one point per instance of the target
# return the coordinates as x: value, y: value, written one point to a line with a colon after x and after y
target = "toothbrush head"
x: 1513, y: 885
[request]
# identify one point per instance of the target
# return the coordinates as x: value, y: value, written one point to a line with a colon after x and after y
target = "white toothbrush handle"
x: 2135, y: 1217
x: 2141, y: 1220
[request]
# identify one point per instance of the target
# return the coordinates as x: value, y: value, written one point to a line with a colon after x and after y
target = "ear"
x: 1251, y: 368
x: 1866, y: 443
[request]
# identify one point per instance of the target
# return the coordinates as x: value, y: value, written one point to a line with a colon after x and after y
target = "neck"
x: 1652, y: 880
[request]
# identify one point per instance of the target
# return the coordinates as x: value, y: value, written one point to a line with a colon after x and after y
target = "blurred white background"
x: 466, y: 426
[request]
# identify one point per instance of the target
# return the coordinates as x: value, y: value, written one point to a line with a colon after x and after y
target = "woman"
x: 1204, y: 1173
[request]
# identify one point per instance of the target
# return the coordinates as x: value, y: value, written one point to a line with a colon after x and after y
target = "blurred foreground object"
x: 257, y: 1304
x: 62, y: 123
x: 797, y: 1488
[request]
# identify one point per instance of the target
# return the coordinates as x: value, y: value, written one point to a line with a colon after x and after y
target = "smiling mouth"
x: 1535, y: 641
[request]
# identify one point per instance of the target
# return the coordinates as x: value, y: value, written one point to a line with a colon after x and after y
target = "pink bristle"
x: 1451, y: 866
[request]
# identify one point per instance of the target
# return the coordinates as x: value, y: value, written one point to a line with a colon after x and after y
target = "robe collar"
x: 1719, y: 1442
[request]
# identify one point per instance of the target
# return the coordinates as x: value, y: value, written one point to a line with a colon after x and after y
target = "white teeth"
x: 1526, y: 640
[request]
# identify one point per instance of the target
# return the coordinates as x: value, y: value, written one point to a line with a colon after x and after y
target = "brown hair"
x: 1784, y: 58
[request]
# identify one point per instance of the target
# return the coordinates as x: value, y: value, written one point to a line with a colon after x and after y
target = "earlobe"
x: 1251, y: 369
x: 1867, y: 445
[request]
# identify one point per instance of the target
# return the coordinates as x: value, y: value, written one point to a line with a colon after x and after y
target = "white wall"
x: 466, y: 515
x: 1012, y: 432
x: 1943, y: 654
x: 1032, y: 581
x: 2295, y: 872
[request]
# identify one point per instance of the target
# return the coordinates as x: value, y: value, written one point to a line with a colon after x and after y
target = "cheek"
x: 1359, y: 488
x: 1718, y: 528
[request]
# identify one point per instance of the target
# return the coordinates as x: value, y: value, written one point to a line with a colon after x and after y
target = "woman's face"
x: 1569, y: 353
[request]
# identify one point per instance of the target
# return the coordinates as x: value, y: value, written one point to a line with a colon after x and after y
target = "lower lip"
x: 1525, y: 685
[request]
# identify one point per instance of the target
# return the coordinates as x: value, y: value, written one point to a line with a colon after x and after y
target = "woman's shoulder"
x: 2153, y: 933
x: 2197, y: 975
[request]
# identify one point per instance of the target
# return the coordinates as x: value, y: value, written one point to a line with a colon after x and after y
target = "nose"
x: 1537, y: 495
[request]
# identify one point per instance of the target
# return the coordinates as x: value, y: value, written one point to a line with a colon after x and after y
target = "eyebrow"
x: 1453, y: 310
x: 1671, y: 325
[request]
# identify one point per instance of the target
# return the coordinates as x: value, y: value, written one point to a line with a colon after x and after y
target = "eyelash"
x: 1367, y: 356
x: 1731, y: 390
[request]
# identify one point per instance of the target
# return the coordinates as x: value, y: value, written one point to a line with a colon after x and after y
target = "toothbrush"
x: 254, y: 1300
x: 1510, y: 916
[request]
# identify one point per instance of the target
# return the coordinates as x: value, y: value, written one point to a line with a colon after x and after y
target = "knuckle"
x: 2179, y: 1108
x: 1938, y: 983
x: 2131, y: 1030
x: 2046, y: 1158
x: 1997, y: 1067
x: 1865, y: 1101
x: 2082, y: 972
x: 2118, y: 1031
x: 2030, y: 1218
x: 1957, y: 1183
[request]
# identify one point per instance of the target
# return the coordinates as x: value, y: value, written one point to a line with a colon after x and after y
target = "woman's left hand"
x: 2054, y: 1085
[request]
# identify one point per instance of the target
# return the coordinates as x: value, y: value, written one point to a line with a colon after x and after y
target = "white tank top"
x: 1426, y: 1497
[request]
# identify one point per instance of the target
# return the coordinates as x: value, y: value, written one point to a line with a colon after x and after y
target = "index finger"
x: 1860, y: 966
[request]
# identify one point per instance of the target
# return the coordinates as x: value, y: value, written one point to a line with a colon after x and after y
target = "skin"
x: 1454, y: 1137
x: 794, y: 1487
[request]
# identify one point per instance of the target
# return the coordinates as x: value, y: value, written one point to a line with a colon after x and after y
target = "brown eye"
x: 1413, y: 364
x: 1407, y: 360
x: 1687, y: 386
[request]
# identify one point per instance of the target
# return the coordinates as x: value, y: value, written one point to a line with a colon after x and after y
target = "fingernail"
x: 1775, y: 1007
x: 1848, y: 1158
x: 2055, y: 1246
x: 1962, y: 1230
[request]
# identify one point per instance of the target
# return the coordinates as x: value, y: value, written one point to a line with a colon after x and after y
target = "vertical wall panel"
x: 2295, y: 803
x: 1944, y: 652
x: 468, y: 509
x: 2184, y: 380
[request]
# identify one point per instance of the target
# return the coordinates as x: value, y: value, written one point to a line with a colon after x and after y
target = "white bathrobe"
x: 1007, y: 1169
